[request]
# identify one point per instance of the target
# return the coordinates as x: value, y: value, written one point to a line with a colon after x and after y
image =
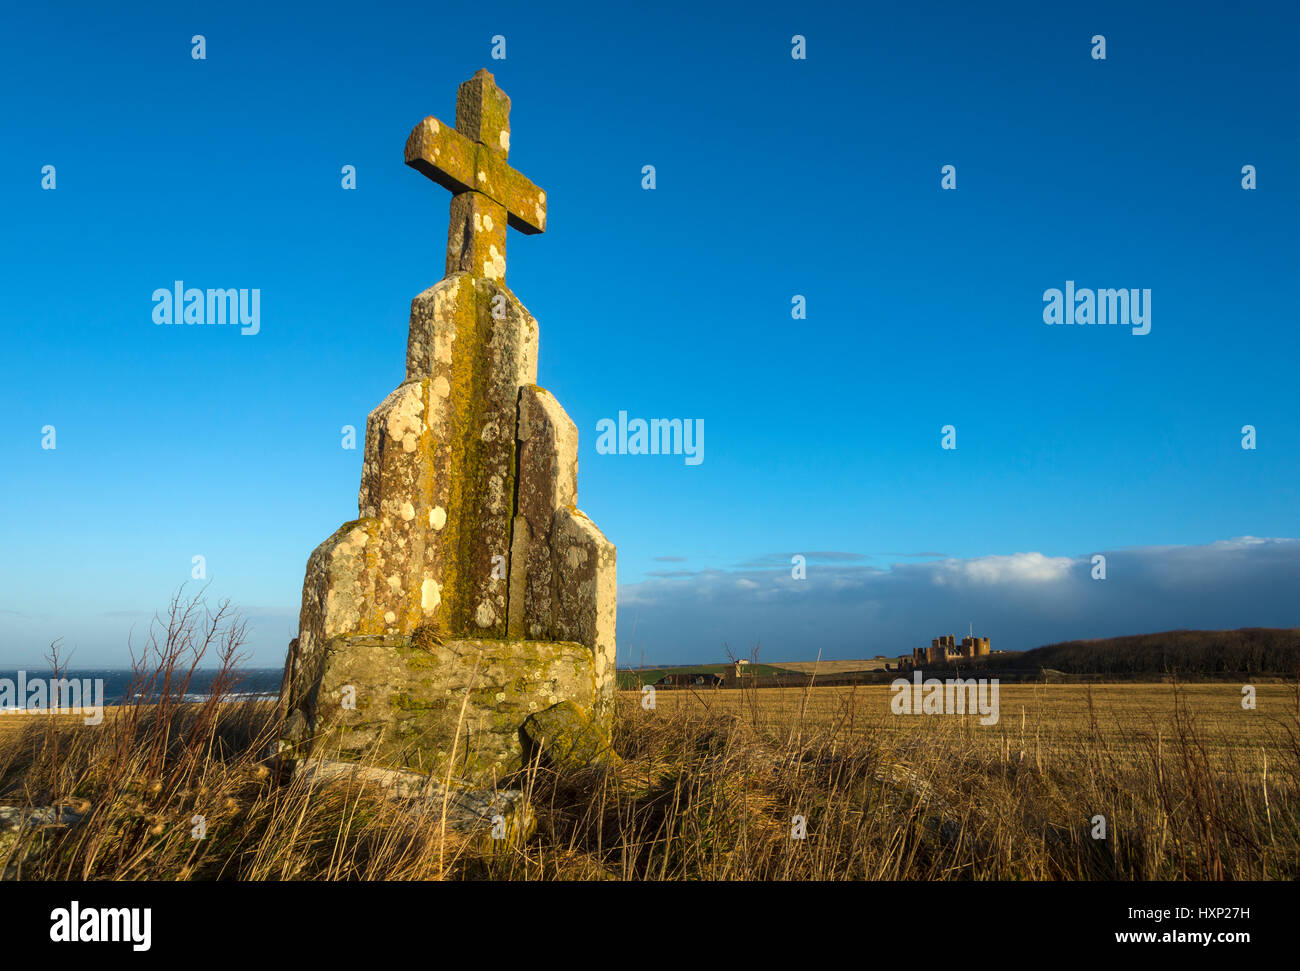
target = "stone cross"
x: 470, y: 595
x: 470, y: 161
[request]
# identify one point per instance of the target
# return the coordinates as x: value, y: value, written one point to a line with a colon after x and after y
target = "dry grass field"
x: 709, y: 785
x: 821, y: 783
x: 17, y: 723
x: 1062, y: 719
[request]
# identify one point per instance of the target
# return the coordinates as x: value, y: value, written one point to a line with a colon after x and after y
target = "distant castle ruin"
x: 945, y: 648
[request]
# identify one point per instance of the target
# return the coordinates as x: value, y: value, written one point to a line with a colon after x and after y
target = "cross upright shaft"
x: 470, y: 161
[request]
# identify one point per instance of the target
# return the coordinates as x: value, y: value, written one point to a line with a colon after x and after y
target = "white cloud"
x: 1020, y: 600
x: 991, y: 570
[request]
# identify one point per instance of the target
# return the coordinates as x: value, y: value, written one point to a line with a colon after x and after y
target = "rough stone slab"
x: 547, y: 482
x: 404, y: 486
x: 548, y: 458
x: 13, y: 818
x: 415, y: 705
x: 567, y: 738
x: 336, y: 592
x: 587, y: 598
x: 472, y: 811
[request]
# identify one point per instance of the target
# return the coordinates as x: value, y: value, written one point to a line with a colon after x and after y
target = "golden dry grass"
x: 18, y: 722
x: 1062, y: 718
x: 710, y: 785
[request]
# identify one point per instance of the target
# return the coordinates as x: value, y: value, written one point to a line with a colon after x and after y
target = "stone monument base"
x: 451, y: 708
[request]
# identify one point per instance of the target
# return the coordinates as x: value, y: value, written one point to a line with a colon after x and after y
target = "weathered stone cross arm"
x: 472, y: 156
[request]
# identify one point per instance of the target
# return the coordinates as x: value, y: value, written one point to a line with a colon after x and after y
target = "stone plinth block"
x: 414, y: 704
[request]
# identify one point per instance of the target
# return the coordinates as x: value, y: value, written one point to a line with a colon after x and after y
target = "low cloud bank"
x: 859, y: 608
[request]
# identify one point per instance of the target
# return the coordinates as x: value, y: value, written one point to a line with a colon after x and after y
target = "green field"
x: 633, y: 678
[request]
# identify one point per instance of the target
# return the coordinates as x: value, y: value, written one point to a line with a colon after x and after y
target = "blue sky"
x: 775, y: 177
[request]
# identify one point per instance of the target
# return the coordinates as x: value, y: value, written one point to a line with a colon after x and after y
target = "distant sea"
x: 249, y: 683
